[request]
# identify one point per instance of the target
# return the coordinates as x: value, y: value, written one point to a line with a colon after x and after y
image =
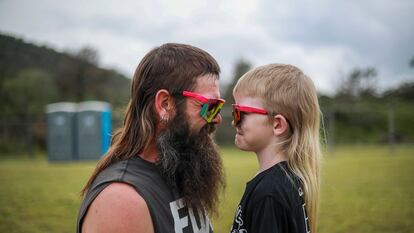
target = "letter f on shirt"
x: 181, y: 223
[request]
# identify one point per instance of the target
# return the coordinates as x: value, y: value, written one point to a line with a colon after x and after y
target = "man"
x: 162, y: 172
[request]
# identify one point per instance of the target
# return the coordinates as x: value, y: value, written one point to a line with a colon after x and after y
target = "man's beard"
x: 190, y: 162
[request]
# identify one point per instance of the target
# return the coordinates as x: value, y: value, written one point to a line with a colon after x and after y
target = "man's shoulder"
x: 132, y: 168
x: 120, y: 193
x: 114, y: 208
x: 140, y: 177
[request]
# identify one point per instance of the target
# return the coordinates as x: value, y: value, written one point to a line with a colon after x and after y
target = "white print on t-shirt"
x: 182, y: 222
x: 238, y: 219
x: 300, y: 191
x: 306, y: 218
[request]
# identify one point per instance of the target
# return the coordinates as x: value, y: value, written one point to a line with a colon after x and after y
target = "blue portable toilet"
x: 93, y: 129
x: 61, y: 134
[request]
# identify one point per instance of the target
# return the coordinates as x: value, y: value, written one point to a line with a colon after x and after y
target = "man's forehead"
x: 208, y: 85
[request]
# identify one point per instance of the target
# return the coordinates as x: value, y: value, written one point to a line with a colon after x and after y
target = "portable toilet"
x: 93, y: 129
x: 61, y: 121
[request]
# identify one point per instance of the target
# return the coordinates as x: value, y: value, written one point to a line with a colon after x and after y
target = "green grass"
x: 368, y: 189
x: 364, y: 189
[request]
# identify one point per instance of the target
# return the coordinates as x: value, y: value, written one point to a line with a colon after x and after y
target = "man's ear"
x: 164, y: 104
x: 280, y: 125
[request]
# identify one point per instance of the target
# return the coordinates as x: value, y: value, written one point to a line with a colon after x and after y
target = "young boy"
x: 277, y: 116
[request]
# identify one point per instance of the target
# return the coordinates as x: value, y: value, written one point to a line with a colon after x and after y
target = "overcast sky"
x: 326, y: 39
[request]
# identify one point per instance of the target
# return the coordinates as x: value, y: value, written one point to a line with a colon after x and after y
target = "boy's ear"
x: 280, y: 125
x: 164, y: 104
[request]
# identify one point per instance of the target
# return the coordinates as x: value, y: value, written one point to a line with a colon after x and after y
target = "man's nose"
x: 217, y: 120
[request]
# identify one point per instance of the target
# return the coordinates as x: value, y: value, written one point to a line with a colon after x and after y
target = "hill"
x: 32, y: 76
x: 52, y: 76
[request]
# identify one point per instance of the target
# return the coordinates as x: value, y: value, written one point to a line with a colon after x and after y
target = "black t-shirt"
x: 272, y: 202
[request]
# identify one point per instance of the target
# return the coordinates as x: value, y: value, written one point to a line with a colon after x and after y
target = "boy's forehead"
x: 245, y: 94
x: 248, y: 100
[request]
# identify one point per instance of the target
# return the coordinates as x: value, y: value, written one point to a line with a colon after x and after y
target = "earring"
x: 164, y: 119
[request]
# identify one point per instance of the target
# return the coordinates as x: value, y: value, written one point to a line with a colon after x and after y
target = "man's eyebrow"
x: 214, y: 96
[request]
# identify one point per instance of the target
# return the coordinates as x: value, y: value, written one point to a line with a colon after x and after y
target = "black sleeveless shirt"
x: 167, y: 209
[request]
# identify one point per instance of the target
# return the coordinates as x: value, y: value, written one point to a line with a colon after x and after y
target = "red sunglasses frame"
x: 201, y: 98
x: 237, y: 109
x: 240, y: 108
x: 243, y: 108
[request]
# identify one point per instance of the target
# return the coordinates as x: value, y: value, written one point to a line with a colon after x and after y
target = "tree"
x: 87, y: 56
x: 28, y: 93
x: 359, y: 83
x: 404, y: 92
x: 242, y: 66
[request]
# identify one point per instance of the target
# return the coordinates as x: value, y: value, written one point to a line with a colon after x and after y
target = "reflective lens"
x: 236, y: 116
x: 210, y: 110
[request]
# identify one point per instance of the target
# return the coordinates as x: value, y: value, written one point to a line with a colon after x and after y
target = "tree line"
x: 33, y: 76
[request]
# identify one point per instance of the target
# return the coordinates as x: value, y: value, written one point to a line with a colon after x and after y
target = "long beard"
x: 191, y: 163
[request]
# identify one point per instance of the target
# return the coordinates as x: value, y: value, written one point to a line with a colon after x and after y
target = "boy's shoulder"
x: 276, y: 182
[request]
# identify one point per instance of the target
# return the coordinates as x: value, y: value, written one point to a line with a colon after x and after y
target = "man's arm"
x: 118, y: 208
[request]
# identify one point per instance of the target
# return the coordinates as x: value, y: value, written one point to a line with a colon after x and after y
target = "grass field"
x: 364, y: 189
